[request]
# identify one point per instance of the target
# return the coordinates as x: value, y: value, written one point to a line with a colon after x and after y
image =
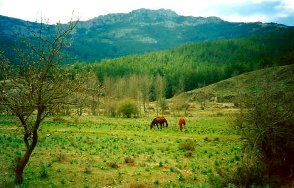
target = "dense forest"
x: 194, y: 64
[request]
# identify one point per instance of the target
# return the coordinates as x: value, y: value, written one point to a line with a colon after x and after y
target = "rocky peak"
x: 156, y: 13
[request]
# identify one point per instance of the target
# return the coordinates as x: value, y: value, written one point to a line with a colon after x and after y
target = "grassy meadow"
x: 98, y: 151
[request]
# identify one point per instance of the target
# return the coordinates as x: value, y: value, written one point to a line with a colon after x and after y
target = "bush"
x: 113, y: 165
x: 266, y: 123
x: 88, y: 169
x: 188, y: 154
x: 43, y: 170
x: 188, y: 145
x: 128, y: 108
x: 129, y: 160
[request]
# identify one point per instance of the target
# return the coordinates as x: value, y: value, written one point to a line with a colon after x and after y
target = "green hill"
x: 280, y: 79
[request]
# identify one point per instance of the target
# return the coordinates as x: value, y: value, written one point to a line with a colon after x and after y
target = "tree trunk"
x: 80, y: 111
x: 21, y: 162
x: 93, y: 106
x: 98, y: 105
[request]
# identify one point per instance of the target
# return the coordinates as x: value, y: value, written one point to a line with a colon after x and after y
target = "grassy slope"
x: 91, y: 152
x: 279, y: 77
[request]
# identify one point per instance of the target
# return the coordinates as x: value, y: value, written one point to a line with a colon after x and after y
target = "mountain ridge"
x: 138, y: 32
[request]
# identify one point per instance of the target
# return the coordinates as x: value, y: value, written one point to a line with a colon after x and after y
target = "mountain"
x: 137, y: 32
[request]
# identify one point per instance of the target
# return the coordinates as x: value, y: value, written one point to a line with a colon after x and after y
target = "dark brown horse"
x: 158, y: 120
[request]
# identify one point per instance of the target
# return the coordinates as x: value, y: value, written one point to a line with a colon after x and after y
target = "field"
x: 98, y: 151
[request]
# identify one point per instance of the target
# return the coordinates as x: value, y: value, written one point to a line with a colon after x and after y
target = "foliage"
x: 191, y: 65
x: 266, y: 123
x: 128, y: 108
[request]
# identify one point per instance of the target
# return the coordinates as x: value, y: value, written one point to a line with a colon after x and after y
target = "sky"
x: 279, y: 11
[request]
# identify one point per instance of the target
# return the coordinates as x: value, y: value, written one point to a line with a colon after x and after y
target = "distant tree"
x: 128, y: 108
x: 132, y: 87
x: 120, y: 88
x: 110, y: 96
x: 203, y: 97
x: 36, y: 84
x: 94, y: 89
x: 80, y: 100
x: 180, y: 106
x: 144, y: 87
x: 160, y: 88
x: 287, y: 59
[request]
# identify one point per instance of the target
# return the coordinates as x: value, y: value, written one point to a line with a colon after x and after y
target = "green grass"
x: 101, y: 151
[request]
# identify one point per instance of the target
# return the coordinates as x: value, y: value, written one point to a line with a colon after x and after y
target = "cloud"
x: 263, y: 8
x: 258, y: 10
x: 231, y: 10
x: 288, y: 20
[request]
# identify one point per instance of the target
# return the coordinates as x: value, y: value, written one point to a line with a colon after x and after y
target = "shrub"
x: 88, y: 169
x: 43, y: 170
x: 181, y: 177
x: 156, y: 182
x: 188, y: 145
x: 266, y: 122
x: 188, y: 154
x: 128, y: 108
x: 113, y: 165
x: 60, y: 157
x: 129, y: 160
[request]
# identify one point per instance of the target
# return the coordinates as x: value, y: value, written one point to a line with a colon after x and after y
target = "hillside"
x: 196, y: 64
x: 137, y: 32
x: 280, y: 78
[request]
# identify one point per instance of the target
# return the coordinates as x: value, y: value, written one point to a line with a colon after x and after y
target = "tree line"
x: 187, y: 67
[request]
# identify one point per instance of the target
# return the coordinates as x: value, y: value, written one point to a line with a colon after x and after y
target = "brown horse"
x: 182, y: 123
x: 158, y: 120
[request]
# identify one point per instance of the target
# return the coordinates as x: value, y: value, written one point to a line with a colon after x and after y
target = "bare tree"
x: 36, y: 83
x: 145, y: 84
x: 95, y: 90
x: 160, y: 88
x: 110, y: 96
